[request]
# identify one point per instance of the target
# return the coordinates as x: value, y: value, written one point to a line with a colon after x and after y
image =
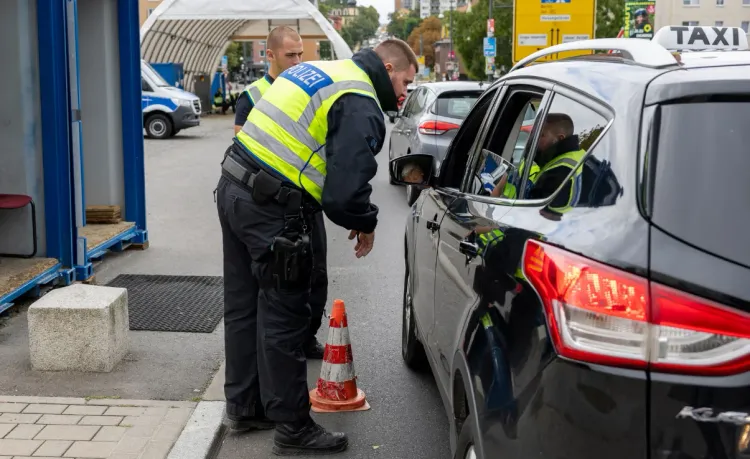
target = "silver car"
x: 430, y: 118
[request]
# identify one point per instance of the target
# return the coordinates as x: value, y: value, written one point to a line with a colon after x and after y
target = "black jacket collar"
x: 373, y: 66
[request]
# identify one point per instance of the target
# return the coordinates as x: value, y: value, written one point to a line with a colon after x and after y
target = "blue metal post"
x: 58, y: 174
x: 132, y: 117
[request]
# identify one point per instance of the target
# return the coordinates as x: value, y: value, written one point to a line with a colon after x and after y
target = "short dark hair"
x: 560, y: 122
x: 398, y: 53
x: 275, y: 39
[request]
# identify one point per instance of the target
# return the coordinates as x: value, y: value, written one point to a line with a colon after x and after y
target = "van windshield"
x: 700, y: 187
x: 154, y: 76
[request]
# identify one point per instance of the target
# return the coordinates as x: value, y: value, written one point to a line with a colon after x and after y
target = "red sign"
x: 490, y: 26
x: 452, y: 55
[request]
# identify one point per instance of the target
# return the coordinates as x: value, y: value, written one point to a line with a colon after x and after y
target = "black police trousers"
x: 265, y: 328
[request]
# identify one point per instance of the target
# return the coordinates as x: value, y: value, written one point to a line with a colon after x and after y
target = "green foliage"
x: 402, y: 25
x: 424, y: 37
x: 361, y: 27
x: 610, y: 17
x: 469, y: 30
x: 234, y: 53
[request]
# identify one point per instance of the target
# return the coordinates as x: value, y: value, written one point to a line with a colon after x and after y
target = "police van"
x: 166, y: 109
x: 597, y: 303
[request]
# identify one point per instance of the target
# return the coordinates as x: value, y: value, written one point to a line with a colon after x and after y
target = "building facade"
x: 718, y: 13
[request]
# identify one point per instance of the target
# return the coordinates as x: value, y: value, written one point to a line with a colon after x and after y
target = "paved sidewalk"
x: 53, y: 427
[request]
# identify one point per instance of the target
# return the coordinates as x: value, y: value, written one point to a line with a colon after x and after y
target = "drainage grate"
x: 173, y: 303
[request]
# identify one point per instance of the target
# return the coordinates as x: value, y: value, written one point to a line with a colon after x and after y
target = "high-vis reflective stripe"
x: 316, y: 101
x: 510, y: 191
x: 288, y: 127
x: 569, y: 160
x: 256, y: 90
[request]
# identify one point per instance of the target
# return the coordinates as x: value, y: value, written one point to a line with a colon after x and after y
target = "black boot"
x: 307, y: 438
x: 314, y: 350
x: 246, y: 423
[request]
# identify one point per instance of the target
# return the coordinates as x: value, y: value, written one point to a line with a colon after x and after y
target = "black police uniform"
x: 319, y: 284
x: 266, y: 320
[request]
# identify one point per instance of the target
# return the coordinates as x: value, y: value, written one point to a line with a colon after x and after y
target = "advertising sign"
x: 538, y: 24
x: 639, y: 19
x: 489, y: 47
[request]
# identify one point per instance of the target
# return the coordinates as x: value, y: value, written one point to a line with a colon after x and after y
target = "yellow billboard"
x: 538, y: 24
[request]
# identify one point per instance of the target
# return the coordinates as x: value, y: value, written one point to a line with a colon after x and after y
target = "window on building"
x: 719, y: 24
x: 745, y: 26
x: 719, y: 2
x: 690, y: 23
x: 691, y: 2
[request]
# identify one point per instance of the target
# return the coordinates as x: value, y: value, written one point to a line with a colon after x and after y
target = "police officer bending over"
x: 284, y: 50
x: 308, y: 144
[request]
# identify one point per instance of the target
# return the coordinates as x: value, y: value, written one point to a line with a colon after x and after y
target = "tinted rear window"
x: 702, y: 181
x: 456, y: 104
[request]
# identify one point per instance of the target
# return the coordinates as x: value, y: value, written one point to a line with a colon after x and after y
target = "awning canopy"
x: 196, y: 33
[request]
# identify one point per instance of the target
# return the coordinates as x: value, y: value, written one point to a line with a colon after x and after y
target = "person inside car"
x: 412, y: 173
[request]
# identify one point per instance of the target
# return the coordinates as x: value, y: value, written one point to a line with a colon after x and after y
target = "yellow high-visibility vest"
x: 256, y: 89
x: 287, y: 128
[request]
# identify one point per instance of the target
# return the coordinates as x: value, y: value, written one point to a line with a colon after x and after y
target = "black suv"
x: 589, y: 295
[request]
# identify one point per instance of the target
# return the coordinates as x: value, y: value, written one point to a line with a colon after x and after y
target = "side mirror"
x: 417, y: 169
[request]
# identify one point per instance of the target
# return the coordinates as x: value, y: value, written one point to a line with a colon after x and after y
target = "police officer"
x: 309, y: 143
x: 284, y: 50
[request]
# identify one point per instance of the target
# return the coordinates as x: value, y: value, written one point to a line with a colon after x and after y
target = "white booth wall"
x: 21, y: 164
x: 100, y: 94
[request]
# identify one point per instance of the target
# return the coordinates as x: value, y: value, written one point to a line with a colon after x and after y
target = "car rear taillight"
x: 601, y: 315
x: 436, y: 127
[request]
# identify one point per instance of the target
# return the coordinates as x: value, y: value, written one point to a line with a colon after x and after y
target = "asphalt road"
x: 406, y: 419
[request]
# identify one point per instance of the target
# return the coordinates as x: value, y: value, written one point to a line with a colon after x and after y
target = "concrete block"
x: 79, y: 328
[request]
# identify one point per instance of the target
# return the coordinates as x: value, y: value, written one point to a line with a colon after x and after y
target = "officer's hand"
x: 365, y: 242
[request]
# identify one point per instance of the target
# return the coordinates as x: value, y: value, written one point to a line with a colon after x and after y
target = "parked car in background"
x: 430, y: 119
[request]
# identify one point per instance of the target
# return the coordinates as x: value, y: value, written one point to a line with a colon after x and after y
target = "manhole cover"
x: 173, y: 303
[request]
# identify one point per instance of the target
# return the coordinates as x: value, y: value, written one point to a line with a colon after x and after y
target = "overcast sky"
x: 383, y: 6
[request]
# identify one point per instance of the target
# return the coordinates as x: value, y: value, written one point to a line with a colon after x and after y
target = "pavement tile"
x: 19, y: 447
x: 110, y: 433
x: 157, y: 450
x: 91, y: 449
x: 132, y: 445
x: 118, y: 402
x: 19, y: 418
x: 142, y: 420
x: 37, y: 408
x: 177, y: 416
x: 122, y: 456
x: 59, y: 419
x: 167, y: 433
x: 85, y: 410
x: 53, y: 448
x: 138, y: 431
x: 24, y: 431
x: 84, y: 433
x: 124, y: 410
x: 35, y: 457
x: 12, y: 407
x: 100, y: 420
x: 5, y: 457
x: 5, y: 428
x: 56, y: 400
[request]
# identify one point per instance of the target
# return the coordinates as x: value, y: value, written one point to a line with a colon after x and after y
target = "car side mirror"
x: 416, y: 169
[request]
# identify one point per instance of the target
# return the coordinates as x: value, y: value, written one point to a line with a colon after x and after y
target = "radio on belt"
x: 701, y: 38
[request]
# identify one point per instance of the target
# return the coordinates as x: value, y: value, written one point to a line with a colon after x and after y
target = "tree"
x: 234, y: 55
x: 362, y: 27
x: 610, y: 17
x: 469, y: 30
x: 423, y: 38
x: 401, y: 24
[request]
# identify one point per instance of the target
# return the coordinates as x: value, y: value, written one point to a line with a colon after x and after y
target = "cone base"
x: 320, y: 405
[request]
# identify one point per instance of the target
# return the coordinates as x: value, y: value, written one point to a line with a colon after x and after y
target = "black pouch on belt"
x: 292, y: 262
x: 265, y: 187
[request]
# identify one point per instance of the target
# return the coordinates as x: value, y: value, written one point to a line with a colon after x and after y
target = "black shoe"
x: 314, y: 350
x: 245, y: 423
x: 308, y: 439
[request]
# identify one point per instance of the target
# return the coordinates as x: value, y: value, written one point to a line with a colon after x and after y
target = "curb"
x: 202, y: 435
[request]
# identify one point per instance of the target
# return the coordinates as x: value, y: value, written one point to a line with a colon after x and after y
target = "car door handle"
x: 470, y: 249
x: 432, y: 225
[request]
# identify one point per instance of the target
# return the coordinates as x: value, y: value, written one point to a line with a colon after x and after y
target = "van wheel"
x: 158, y: 126
x: 412, y: 350
x: 465, y: 445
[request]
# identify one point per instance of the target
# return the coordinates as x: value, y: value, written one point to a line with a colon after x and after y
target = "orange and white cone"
x: 337, y: 386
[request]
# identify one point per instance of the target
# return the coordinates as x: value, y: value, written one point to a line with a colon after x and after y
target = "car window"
x: 420, y: 101
x: 701, y: 193
x: 455, y: 104
x: 145, y: 87
x: 556, y: 165
x: 502, y: 151
x: 408, y: 104
x: 454, y: 165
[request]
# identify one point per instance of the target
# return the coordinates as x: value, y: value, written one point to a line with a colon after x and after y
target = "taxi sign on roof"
x: 701, y: 38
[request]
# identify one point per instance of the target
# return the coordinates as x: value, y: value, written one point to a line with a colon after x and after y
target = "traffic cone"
x: 337, y: 386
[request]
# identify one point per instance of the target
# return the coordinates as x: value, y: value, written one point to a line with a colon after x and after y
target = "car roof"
x: 441, y: 86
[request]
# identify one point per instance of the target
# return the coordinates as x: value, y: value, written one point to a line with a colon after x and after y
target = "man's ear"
x: 389, y: 67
